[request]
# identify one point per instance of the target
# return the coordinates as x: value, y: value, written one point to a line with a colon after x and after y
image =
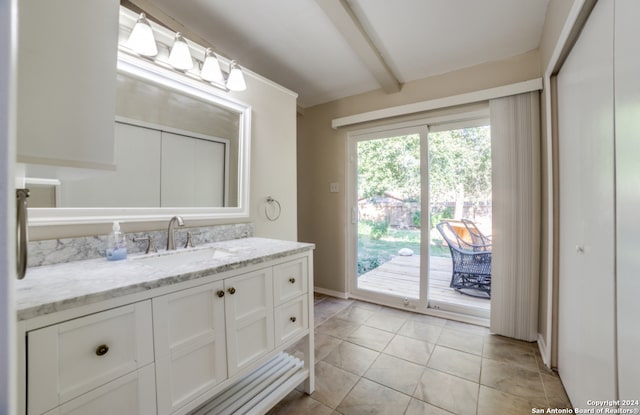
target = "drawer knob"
x: 292, y: 280
x: 220, y: 293
x: 293, y: 319
x: 232, y: 290
x: 102, y: 350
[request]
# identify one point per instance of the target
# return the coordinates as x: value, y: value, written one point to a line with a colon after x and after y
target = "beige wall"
x: 272, y: 171
x: 321, y: 153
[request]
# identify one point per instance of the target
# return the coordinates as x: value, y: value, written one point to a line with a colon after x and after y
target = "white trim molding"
x: 438, y: 103
x: 331, y: 293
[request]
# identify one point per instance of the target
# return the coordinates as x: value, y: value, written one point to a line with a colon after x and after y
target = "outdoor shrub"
x: 379, y: 229
x: 367, y: 264
x: 416, y: 219
x: 438, y: 215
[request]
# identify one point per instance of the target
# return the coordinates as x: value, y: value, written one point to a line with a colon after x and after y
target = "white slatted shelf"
x: 256, y: 393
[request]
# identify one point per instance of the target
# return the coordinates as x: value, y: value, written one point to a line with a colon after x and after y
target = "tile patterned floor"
x: 376, y: 360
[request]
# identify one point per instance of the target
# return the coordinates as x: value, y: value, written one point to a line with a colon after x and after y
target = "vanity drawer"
x: 291, y: 319
x: 290, y: 280
x: 71, y: 358
x: 132, y: 394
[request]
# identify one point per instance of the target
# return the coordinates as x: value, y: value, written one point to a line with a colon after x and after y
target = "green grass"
x: 372, y: 253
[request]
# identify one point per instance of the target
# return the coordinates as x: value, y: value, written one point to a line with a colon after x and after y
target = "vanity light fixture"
x: 211, y: 68
x: 141, y: 39
x: 152, y: 41
x: 236, y: 82
x: 180, y: 57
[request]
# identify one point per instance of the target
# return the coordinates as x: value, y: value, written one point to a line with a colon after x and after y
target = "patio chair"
x: 481, y: 241
x: 471, y: 274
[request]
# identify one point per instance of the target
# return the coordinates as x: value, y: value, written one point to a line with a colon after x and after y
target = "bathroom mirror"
x: 181, y: 147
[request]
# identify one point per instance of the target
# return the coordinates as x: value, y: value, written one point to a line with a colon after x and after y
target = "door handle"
x: 354, y: 215
x: 22, y: 237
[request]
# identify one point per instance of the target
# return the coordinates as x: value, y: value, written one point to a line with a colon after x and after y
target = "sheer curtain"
x: 515, y: 148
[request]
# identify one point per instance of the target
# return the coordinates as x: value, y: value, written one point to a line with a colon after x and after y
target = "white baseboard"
x: 332, y: 293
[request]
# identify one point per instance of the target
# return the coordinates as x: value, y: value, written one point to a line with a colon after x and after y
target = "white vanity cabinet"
x: 67, y: 58
x: 191, y: 326
x: 69, y: 359
x: 208, y: 333
x: 189, y: 337
x: 212, y: 342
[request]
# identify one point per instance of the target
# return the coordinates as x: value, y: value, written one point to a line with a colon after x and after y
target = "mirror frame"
x: 149, y: 72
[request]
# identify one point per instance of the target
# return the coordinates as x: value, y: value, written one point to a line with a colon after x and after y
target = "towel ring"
x: 273, y: 204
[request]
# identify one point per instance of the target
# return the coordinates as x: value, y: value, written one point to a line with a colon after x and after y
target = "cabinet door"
x: 249, y: 313
x: 133, y: 394
x: 189, y: 343
x: 586, y: 338
x: 67, y: 58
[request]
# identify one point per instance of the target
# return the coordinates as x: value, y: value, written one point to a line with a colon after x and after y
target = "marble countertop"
x: 53, y: 288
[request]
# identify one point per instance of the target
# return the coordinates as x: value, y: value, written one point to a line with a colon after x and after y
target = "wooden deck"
x: 400, y: 277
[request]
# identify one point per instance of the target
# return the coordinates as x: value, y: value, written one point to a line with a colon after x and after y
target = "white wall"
x: 273, y: 157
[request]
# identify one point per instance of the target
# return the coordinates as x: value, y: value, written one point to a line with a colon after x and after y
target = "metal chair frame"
x: 471, y: 264
x: 477, y: 237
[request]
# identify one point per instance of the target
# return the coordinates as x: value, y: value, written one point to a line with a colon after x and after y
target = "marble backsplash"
x: 56, y: 251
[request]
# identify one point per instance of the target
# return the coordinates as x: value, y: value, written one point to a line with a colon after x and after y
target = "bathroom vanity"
x: 201, y: 330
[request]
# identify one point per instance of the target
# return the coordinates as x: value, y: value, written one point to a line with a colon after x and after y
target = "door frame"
x: 423, y: 126
x: 8, y: 337
x: 352, y: 214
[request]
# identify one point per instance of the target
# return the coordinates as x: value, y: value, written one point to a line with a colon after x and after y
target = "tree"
x: 460, y: 166
x: 389, y: 164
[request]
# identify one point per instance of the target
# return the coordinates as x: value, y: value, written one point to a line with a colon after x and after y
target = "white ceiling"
x: 296, y: 44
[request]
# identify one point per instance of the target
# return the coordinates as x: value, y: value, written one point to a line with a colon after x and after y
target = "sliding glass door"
x: 404, y: 182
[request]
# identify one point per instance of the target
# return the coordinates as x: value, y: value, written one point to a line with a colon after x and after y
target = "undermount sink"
x: 169, y: 259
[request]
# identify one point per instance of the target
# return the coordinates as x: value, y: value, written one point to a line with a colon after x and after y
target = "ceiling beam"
x: 345, y: 20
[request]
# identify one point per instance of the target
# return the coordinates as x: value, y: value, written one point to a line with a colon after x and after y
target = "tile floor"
x: 377, y: 360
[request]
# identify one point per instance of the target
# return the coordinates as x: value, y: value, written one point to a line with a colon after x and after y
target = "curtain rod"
x: 438, y: 103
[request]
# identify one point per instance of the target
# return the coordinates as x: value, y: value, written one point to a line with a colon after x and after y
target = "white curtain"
x: 515, y: 148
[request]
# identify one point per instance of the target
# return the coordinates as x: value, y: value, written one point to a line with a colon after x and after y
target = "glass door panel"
x: 460, y: 199
x: 388, y: 225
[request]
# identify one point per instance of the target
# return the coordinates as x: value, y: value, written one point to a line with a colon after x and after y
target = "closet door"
x: 586, y: 339
x: 627, y: 64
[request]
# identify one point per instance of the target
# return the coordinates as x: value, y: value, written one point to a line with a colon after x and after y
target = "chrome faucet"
x: 171, y: 246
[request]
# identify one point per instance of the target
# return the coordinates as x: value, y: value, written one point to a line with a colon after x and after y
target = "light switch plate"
x: 334, y: 187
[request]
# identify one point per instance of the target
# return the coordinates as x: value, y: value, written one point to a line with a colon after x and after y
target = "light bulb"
x: 236, y: 82
x: 141, y: 39
x: 211, y: 68
x: 180, y: 57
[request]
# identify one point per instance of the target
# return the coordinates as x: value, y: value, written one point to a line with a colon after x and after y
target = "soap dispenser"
x: 117, y: 245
